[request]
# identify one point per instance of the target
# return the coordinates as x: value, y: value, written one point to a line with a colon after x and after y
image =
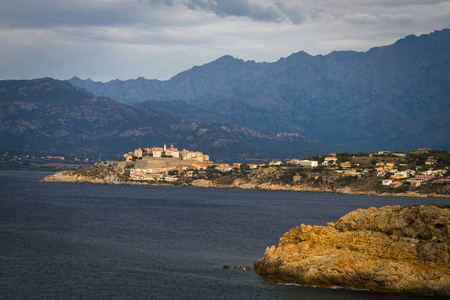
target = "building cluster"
x: 202, y: 163
x: 164, y: 152
x: 346, y: 168
x: 392, y: 174
x: 171, y: 174
x: 396, y: 178
x: 197, y: 169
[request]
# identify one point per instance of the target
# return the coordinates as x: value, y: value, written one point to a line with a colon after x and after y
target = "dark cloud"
x: 43, y: 13
x: 292, y: 13
x: 238, y: 8
x: 49, y: 13
x: 159, y: 38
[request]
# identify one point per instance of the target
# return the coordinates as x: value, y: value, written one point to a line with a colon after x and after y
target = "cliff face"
x: 391, y: 249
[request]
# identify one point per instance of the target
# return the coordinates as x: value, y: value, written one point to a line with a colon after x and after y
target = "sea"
x: 80, y: 241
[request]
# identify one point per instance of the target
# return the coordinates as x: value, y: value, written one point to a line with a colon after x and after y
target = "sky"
x: 157, y: 39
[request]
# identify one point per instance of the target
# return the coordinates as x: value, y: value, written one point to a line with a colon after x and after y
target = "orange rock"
x: 392, y: 249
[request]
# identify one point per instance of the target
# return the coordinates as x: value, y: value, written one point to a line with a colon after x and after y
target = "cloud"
x: 361, y: 18
x: 107, y: 39
x: 294, y: 13
x: 390, y: 3
x: 237, y: 8
x: 83, y: 13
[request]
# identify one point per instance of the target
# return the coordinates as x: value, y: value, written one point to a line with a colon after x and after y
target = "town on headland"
x: 421, y: 172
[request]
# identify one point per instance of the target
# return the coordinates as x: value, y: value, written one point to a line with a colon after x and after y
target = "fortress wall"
x: 150, y: 162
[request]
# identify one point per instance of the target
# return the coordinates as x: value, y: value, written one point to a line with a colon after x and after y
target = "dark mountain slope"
x: 187, y: 111
x: 390, y: 97
x: 50, y: 115
x: 393, y: 97
x: 41, y: 90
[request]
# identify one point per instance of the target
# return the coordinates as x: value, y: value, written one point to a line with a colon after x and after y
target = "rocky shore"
x: 202, y: 183
x: 390, y: 249
x: 73, y: 177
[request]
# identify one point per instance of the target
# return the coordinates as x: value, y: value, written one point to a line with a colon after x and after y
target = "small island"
x: 389, y: 249
x: 418, y: 173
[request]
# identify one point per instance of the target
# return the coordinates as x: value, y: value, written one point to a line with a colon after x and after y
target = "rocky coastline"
x: 72, y: 177
x: 201, y: 183
x: 390, y: 249
x: 114, y: 175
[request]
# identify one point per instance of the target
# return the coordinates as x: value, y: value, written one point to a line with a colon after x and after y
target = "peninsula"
x: 418, y: 173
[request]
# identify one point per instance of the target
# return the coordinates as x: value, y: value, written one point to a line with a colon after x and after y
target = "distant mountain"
x: 391, y: 97
x: 187, y: 111
x: 55, y: 116
x: 188, y: 85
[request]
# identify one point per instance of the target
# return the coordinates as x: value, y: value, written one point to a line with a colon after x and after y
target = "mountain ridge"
x: 55, y: 116
x: 393, y: 96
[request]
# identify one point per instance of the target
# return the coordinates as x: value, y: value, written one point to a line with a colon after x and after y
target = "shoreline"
x: 201, y: 183
x: 357, y: 193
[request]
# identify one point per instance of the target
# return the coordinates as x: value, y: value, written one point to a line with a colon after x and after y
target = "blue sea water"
x: 67, y: 241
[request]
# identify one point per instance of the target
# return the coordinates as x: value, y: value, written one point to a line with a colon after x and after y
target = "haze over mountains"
x: 55, y: 116
x: 391, y: 97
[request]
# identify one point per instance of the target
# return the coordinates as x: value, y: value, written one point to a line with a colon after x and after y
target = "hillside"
x: 393, y: 97
x: 54, y: 116
x: 187, y: 111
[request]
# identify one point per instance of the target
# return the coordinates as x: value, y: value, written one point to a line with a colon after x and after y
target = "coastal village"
x: 419, y: 173
x: 394, y: 170
x: 192, y: 164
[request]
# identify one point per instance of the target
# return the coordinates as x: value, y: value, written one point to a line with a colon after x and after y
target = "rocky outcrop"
x: 71, y: 177
x: 391, y: 249
x: 202, y: 183
x: 96, y: 174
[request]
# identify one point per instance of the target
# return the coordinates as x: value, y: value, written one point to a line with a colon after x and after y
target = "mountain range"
x: 390, y: 97
x: 55, y: 116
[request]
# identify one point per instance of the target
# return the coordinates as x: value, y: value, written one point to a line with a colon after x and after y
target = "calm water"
x: 65, y: 241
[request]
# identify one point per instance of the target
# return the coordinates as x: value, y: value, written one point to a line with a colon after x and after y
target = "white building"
x: 330, y: 160
x: 173, y: 152
x: 138, y: 153
x: 309, y: 163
